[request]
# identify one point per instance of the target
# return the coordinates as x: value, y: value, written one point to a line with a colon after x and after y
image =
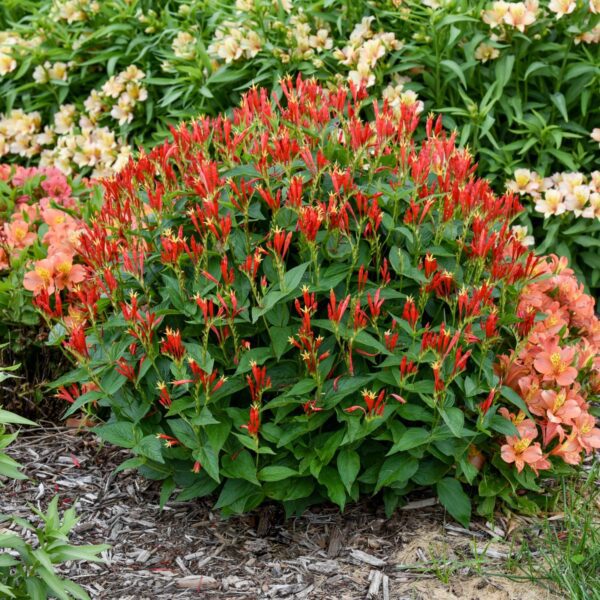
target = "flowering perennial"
x: 304, y: 304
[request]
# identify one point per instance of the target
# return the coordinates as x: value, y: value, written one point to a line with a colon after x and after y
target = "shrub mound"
x: 298, y: 304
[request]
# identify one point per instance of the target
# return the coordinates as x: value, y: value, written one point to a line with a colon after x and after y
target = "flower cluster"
x: 12, y: 46
x: 364, y: 50
x: 73, y: 11
x: 40, y: 222
x: 556, y: 371
x: 234, y: 41
x: 569, y: 192
x: 502, y: 17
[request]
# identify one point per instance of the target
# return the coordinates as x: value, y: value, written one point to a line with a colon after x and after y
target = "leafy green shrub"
x: 297, y: 304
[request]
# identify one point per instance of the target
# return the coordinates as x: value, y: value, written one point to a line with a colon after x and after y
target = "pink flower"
x: 588, y: 435
x: 41, y: 278
x: 67, y: 274
x: 18, y: 235
x: 554, y: 363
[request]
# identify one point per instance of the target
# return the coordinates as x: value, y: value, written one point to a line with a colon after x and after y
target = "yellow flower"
x: 485, y: 52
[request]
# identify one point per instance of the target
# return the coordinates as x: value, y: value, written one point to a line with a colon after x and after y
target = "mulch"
x: 188, y: 551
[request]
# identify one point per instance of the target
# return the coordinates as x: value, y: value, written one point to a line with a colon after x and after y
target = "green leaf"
x: 209, y: 459
x: 413, y: 437
x: 9, y: 417
x: 397, y: 468
x: 120, y: 434
x: 240, y: 466
x: 276, y: 473
x: 330, y: 478
x: 293, y: 277
x: 455, y: 419
x: 559, y: 101
x: 455, y: 68
x: 501, y: 425
x: 348, y: 463
x: 455, y: 501
x: 150, y: 447
x: 235, y: 490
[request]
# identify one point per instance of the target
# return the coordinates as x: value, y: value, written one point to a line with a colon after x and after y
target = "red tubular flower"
x: 363, y: 277
x: 77, y: 343
x: 227, y: 274
x: 125, y: 369
x: 375, y: 404
x: 487, y: 403
x: 294, y: 195
x: 258, y: 382
x: 490, y: 325
x: 273, y: 203
x: 375, y: 304
x: 460, y: 360
x: 441, y: 283
x: 391, y: 340
x: 69, y: 395
x: 335, y: 311
x: 170, y: 441
x: 253, y: 424
x: 430, y: 265
x: 311, y: 407
x: 410, y: 313
x: 407, y: 367
x: 439, y: 383
x: 281, y: 242
x: 197, y: 467
x: 172, y: 345
x: 385, y: 273
x: 359, y: 317
x: 309, y: 222
x: 164, y: 397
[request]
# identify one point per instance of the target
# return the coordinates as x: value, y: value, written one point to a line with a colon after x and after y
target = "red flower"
x: 172, y: 345
x: 77, y: 343
x: 410, y: 313
x: 375, y: 404
x: 258, y: 382
x: 253, y: 424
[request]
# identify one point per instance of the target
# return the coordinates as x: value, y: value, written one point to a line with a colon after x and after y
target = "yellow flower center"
x: 44, y: 274
x: 556, y: 361
x: 522, y: 445
x: 561, y: 397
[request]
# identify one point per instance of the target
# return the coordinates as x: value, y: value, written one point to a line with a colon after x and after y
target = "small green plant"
x: 27, y: 572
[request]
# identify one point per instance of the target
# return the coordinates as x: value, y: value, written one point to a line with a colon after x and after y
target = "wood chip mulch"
x: 188, y: 551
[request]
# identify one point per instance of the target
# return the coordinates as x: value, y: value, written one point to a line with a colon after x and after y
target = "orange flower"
x: 588, y: 435
x: 41, y: 278
x: 554, y: 363
x: 18, y: 235
x: 67, y: 274
x: 520, y: 450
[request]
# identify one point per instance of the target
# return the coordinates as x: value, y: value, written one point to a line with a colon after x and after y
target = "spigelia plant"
x: 565, y: 211
x: 297, y: 304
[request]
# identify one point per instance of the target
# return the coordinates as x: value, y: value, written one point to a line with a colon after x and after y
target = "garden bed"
x: 323, y: 554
